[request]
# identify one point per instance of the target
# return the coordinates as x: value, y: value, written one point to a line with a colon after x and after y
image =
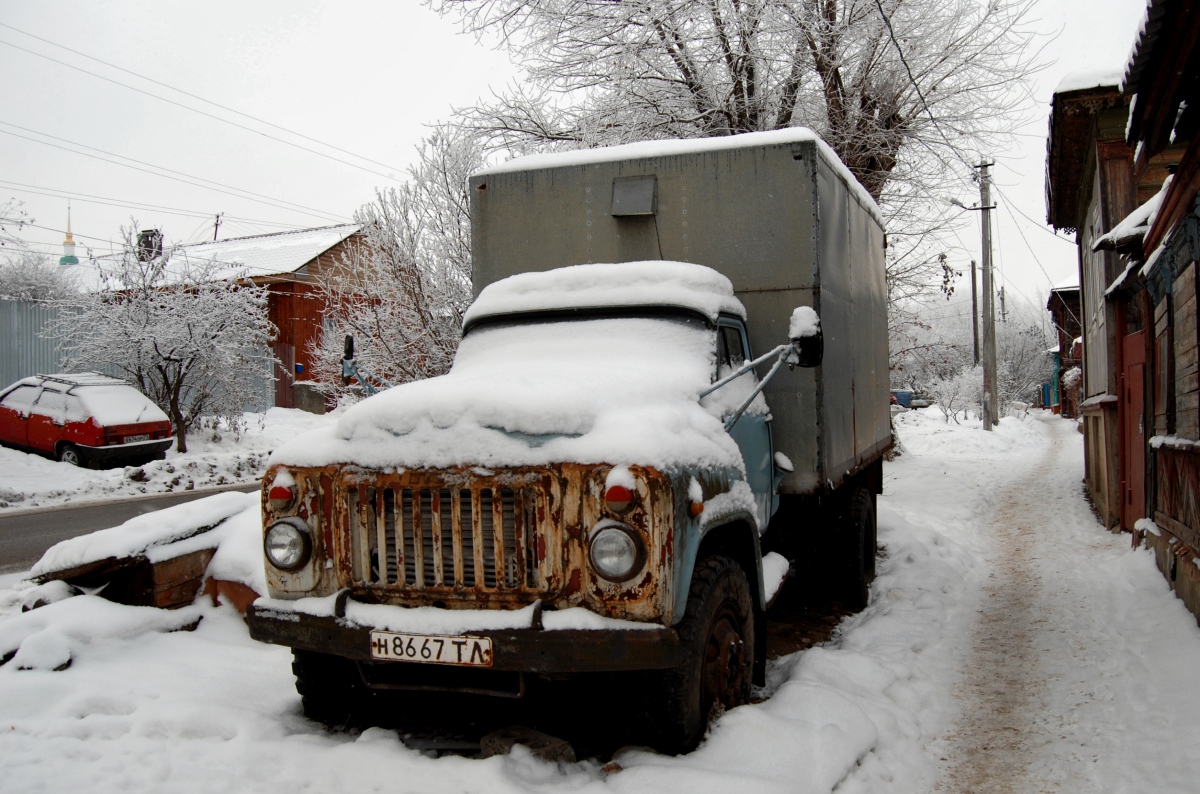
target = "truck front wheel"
x: 331, y: 690
x: 717, y: 638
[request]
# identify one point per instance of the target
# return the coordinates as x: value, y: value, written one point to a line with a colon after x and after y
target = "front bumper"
x: 137, y: 450
x: 520, y: 650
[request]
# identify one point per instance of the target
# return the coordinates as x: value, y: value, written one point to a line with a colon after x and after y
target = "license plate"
x: 431, y: 648
x: 131, y: 439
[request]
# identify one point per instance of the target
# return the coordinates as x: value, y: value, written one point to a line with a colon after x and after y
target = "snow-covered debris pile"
x: 545, y: 391
x: 160, y: 535
x: 1127, y: 236
x: 162, y: 558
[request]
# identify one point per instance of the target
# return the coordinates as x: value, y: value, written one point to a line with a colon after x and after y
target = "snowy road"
x: 1063, y: 686
x: 1011, y: 645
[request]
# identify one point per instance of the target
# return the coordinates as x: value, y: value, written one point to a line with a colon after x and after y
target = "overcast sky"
x: 366, y: 77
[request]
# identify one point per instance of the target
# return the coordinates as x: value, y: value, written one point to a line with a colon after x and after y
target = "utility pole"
x: 990, y: 407
x: 1003, y: 311
x: 974, y: 314
x: 217, y: 226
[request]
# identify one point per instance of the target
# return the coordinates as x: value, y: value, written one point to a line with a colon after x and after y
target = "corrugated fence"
x: 24, y: 351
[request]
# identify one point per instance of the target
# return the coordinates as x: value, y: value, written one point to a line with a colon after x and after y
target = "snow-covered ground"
x: 1011, y: 645
x: 214, y: 457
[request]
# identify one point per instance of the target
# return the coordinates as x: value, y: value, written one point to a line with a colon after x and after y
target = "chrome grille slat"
x: 475, y: 538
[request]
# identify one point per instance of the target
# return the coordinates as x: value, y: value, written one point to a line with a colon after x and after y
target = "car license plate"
x: 431, y: 648
x: 131, y: 439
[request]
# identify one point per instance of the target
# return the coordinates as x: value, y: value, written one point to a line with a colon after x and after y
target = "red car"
x: 83, y: 419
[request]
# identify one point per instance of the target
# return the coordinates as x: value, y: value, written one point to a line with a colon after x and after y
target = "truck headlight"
x: 616, y: 551
x: 288, y: 544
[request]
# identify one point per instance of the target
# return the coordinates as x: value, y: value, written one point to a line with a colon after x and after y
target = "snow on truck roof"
x: 627, y: 284
x: 644, y: 150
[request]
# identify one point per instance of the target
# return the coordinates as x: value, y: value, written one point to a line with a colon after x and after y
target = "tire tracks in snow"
x: 991, y: 746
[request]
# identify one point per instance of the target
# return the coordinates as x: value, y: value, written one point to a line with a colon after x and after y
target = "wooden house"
x: 288, y: 264
x: 1137, y: 219
x: 1089, y: 189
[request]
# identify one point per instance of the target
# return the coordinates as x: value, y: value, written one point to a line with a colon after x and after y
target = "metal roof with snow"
x: 267, y: 254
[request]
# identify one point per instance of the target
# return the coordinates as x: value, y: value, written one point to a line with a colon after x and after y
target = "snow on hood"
x: 654, y: 283
x: 588, y: 391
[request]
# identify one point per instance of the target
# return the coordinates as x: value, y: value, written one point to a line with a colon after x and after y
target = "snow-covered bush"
x: 958, y: 392
x: 29, y: 276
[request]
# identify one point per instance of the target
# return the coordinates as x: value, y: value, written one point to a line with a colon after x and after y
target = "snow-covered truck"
x: 591, y: 489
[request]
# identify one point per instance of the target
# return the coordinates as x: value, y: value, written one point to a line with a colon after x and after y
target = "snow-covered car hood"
x: 621, y: 390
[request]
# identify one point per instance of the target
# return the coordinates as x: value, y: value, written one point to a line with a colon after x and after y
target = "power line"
x: 88, y: 198
x: 277, y: 203
x: 185, y: 93
x: 1034, y: 255
x: 201, y: 112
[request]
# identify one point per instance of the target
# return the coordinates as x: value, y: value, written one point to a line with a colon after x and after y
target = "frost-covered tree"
x: 907, y: 92
x: 12, y: 220
x: 402, y: 287
x: 29, y: 276
x: 194, y: 340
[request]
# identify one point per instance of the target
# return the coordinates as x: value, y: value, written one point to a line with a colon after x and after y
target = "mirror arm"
x: 782, y: 351
x: 725, y: 381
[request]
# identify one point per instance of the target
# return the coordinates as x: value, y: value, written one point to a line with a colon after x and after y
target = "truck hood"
x: 586, y: 391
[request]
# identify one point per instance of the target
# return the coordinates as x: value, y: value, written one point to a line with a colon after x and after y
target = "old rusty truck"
x: 672, y: 382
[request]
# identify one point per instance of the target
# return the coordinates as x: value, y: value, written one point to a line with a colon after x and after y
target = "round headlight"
x: 287, y: 545
x: 616, y: 552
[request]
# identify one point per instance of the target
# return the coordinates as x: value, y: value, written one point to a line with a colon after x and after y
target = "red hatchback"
x: 84, y: 419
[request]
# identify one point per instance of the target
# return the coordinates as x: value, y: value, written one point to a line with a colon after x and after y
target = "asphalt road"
x: 25, y: 535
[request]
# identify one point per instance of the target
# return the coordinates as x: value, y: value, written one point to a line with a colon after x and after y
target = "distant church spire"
x: 68, y: 257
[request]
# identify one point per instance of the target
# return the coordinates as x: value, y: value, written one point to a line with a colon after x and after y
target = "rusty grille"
x: 444, y: 538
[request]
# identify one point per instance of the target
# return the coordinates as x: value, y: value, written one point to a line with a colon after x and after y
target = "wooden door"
x: 1133, y: 431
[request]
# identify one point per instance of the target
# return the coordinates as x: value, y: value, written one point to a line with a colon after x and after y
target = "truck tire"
x: 717, y: 639
x: 855, y: 549
x: 331, y: 690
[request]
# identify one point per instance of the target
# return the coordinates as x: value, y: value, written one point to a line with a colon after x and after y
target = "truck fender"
x: 734, y: 537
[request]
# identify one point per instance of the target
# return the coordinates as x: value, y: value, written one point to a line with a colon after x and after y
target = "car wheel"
x: 69, y: 453
x: 717, y: 640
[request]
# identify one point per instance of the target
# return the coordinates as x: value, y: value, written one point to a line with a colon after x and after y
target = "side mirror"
x: 809, y: 350
x: 804, y: 331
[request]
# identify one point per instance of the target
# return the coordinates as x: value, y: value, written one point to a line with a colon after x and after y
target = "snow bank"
x: 645, y: 150
x: 49, y: 637
x: 653, y: 283
x: 589, y: 391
